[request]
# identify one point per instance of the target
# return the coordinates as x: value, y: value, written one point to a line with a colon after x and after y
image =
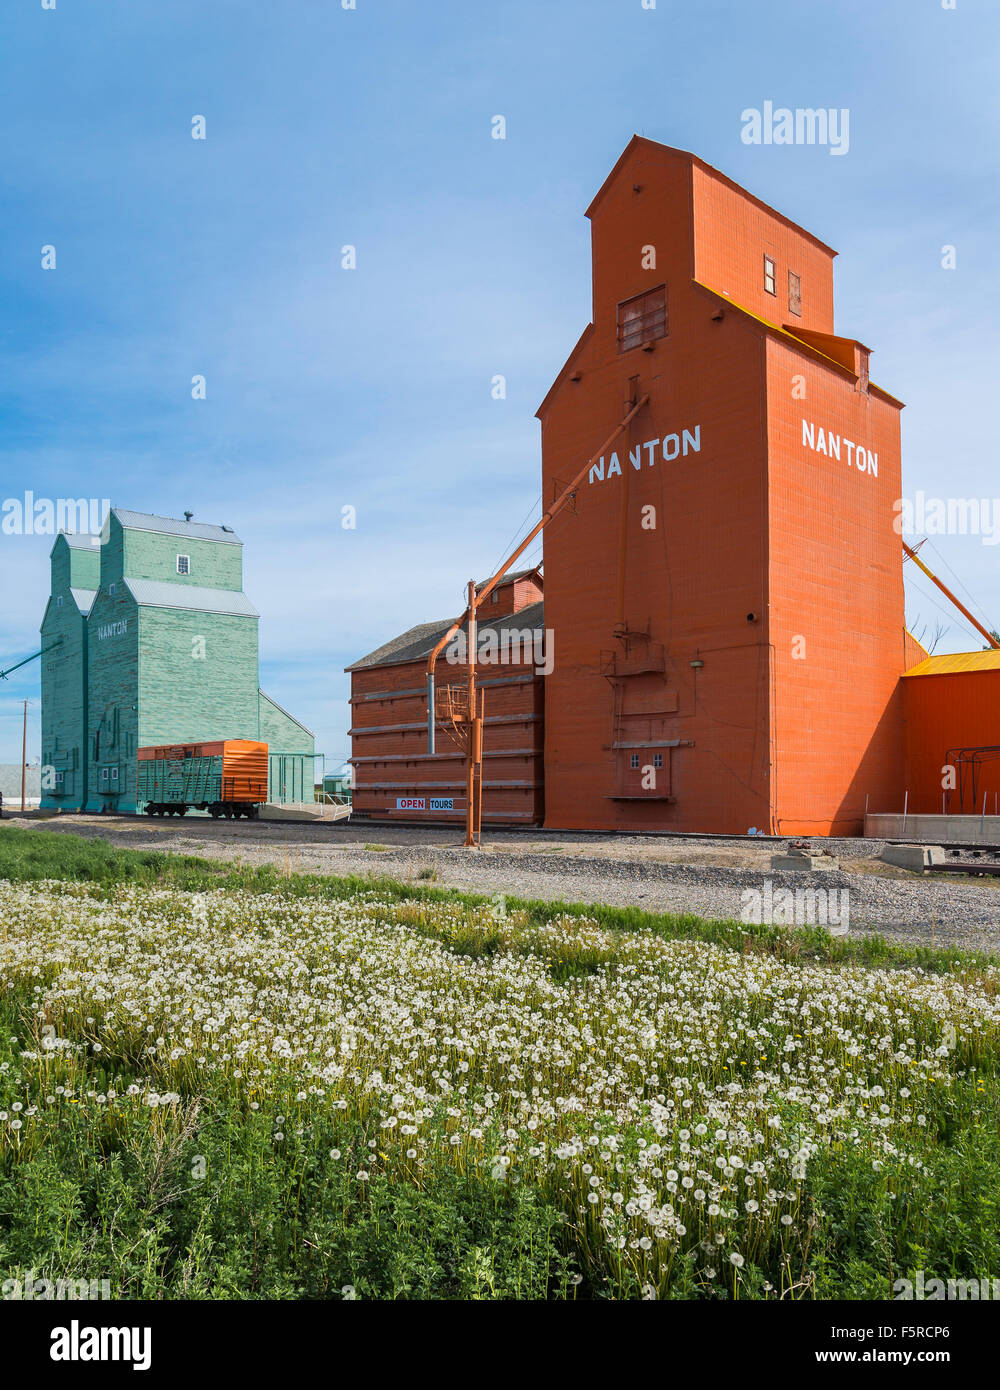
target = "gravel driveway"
x: 706, y: 876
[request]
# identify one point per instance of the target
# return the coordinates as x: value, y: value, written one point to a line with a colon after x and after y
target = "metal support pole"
x: 474, y: 764
x: 480, y: 723
x: 473, y: 755
x: 24, y: 757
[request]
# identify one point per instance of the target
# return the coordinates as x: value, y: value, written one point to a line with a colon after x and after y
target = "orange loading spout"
x: 474, y: 753
x: 992, y: 641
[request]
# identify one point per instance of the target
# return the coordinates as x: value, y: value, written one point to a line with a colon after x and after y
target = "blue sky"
x: 371, y: 387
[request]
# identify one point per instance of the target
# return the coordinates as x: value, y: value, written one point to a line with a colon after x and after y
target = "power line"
x: 950, y: 615
x: 516, y: 536
x: 971, y: 597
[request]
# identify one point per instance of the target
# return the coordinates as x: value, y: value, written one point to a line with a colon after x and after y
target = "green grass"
x: 216, y: 1207
x: 27, y: 855
x: 212, y: 1198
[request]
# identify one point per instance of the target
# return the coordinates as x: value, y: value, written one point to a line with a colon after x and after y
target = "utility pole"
x: 24, y: 757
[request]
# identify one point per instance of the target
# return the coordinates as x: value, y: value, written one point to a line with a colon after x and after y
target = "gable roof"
x: 171, y: 526
x: 161, y: 593
x: 78, y: 540
x: 418, y: 642
x: 657, y: 147
x: 512, y: 575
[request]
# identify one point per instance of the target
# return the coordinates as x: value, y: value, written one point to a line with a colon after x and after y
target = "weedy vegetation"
x: 226, y: 1082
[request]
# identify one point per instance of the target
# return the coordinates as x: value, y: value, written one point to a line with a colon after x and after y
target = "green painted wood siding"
x: 291, y: 746
x: 64, y: 704
x: 280, y: 731
x: 190, y: 781
x: 197, y: 676
x: 113, y: 715
x: 75, y: 567
x: 153, y: 555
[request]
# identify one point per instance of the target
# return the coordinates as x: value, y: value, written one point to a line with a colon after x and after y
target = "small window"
x: 104, y: 774
x: 642, y: 319
x: 496, y: 595
x: 184, y: 564
x: 114, y: 774
x: 60, y: 778
x: 770, y: 282
x: 657, y: 759
x: 59, y: 601
x: 111, y: 590
x: 634, y: 760
x: 794, y: 293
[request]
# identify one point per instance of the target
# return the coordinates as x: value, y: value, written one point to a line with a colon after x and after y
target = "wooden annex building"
x: 394, y: 776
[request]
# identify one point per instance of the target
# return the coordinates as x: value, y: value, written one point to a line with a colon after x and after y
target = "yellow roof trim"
x: 954, y: 663
x: 799, y: 343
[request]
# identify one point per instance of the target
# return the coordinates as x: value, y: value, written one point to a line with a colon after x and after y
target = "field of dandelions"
x: 228, y: 1093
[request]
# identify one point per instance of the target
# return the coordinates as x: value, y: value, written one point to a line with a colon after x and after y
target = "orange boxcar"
x: 216, y: 775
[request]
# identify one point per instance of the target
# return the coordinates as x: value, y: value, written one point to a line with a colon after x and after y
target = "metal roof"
x: 420, y: 641
x: 657, y: 147
x: 80, y: 540
x: 161, y: 593
x: 952, y: 663
x: 171, y: 526
x: 84, y: 599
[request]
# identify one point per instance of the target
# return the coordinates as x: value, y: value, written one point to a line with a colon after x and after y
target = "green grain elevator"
x: 159, y: 645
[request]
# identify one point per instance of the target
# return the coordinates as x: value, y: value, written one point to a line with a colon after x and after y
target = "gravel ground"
x: 702, y: 876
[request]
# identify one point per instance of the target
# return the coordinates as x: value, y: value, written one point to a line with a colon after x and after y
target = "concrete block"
x: 918, y: 857
x: 806, y: 861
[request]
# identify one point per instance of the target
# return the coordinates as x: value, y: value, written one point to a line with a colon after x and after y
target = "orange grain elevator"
x: 726, y: 591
